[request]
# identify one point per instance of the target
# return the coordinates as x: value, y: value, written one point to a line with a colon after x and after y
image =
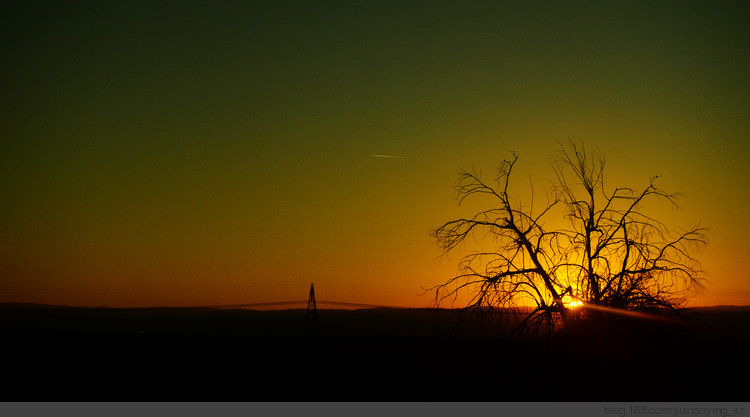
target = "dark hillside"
x: 169, y: 354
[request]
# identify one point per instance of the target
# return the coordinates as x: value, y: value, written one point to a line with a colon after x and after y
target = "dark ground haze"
x: 71, y: 354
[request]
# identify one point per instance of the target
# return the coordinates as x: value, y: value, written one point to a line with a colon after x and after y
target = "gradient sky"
x: 216, y: 152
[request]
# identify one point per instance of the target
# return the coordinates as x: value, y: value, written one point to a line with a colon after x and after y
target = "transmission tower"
x: 311, y: 319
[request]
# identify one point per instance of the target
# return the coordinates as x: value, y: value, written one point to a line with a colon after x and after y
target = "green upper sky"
x: 212, y: 152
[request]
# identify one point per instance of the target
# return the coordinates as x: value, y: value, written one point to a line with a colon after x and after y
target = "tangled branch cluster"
x: 610, y: 253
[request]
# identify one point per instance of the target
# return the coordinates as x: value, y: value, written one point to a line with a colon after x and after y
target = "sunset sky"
x: 174, y: 153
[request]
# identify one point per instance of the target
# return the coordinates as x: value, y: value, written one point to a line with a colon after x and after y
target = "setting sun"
x: 571, y: 302
x: 574, y: 303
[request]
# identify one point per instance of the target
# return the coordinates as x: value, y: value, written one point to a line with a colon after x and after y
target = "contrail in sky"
x: 387, y: 156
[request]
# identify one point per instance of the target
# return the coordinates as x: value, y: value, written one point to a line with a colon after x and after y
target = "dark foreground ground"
x: 67, y: 354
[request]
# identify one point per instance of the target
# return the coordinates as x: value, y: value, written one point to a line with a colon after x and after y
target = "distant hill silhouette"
x: 60, y: 353
x: 33, y: 306
x: 723, y: 320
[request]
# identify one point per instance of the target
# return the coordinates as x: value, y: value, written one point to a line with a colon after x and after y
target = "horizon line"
x: 280, y: 303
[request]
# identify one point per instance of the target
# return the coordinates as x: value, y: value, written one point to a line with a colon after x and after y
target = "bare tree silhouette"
x: 607, y: 255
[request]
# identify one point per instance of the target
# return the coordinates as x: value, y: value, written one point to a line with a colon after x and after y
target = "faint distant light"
x: 387, y: 156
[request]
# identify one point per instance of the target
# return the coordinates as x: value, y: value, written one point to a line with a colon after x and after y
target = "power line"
x: 279, y: 303
x: 275, y: 303
x: 342, y: 303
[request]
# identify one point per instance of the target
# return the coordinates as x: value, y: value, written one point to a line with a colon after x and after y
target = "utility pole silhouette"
x: 311, y: 319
